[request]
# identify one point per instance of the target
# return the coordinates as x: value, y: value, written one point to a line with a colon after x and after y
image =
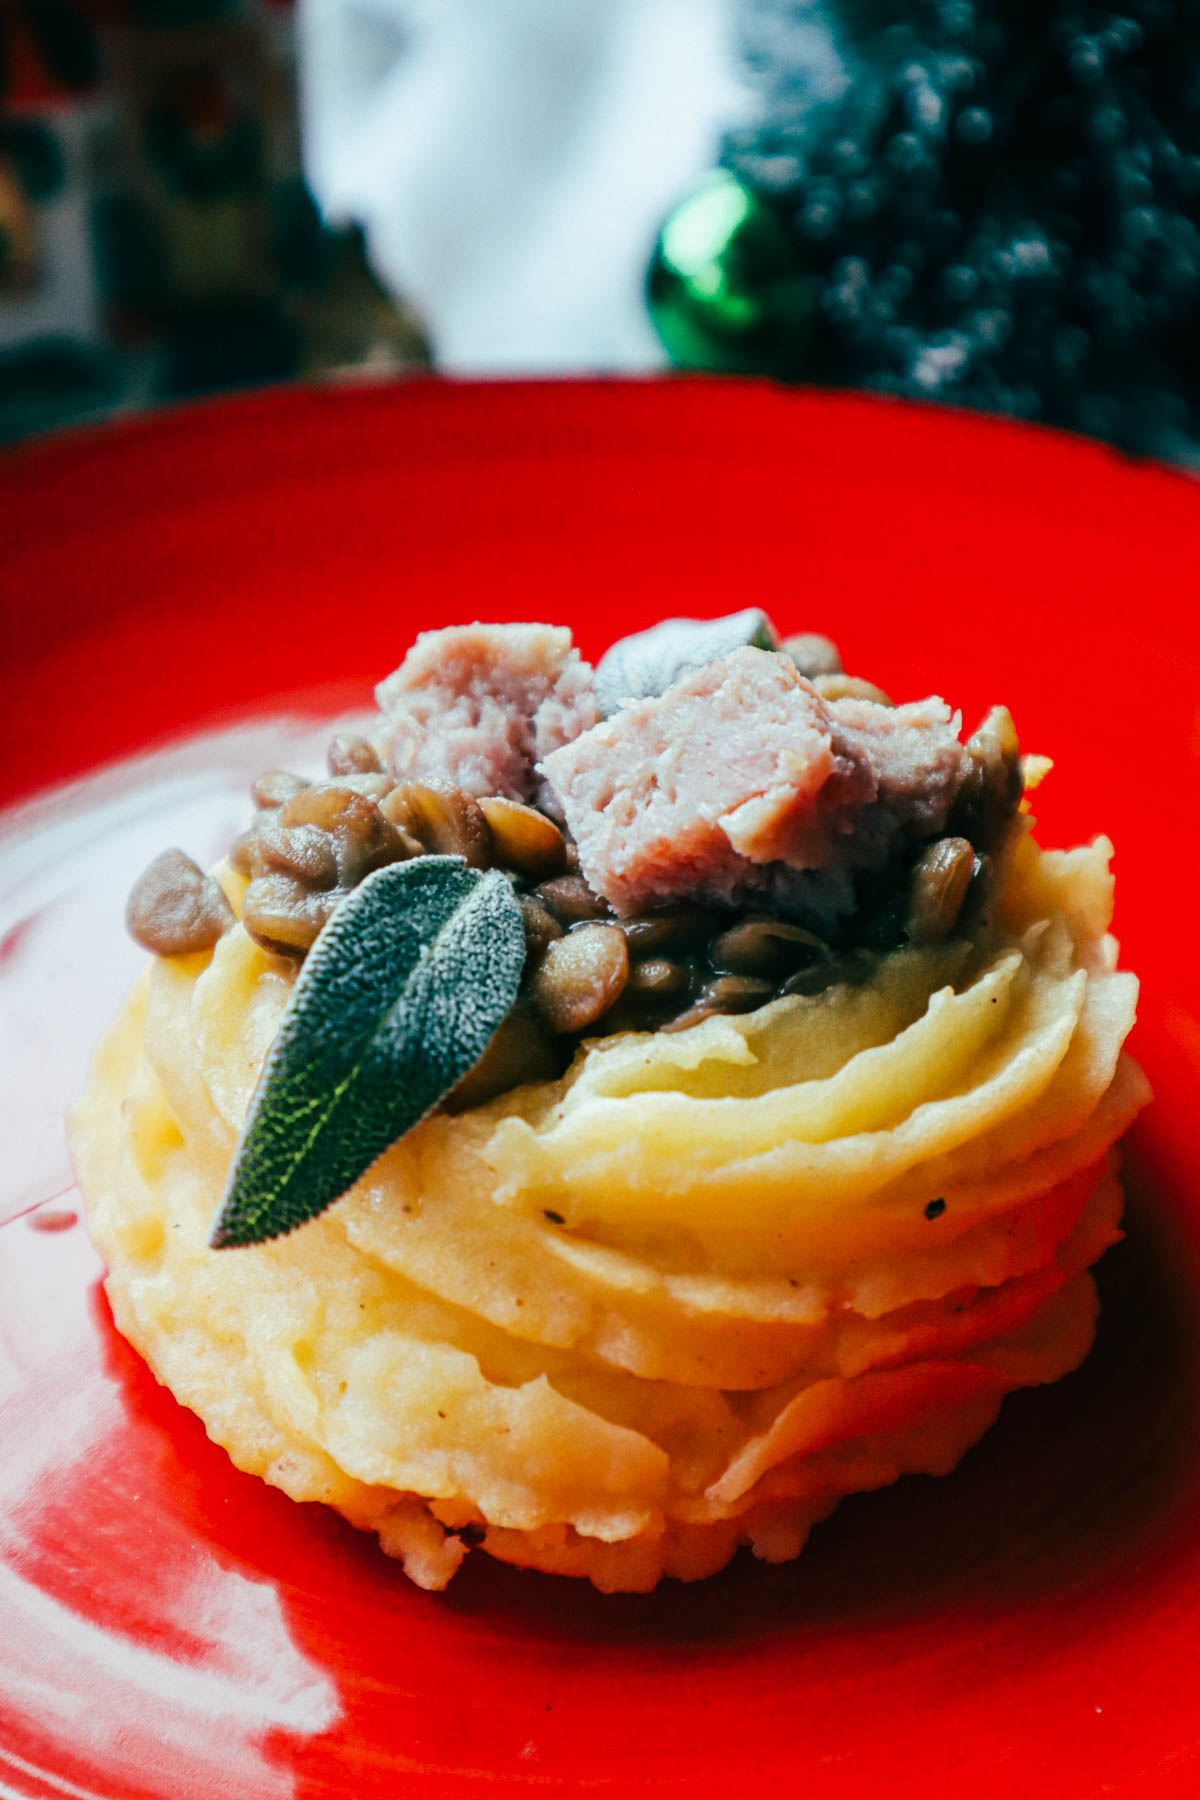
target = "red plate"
x: 169, y: 1627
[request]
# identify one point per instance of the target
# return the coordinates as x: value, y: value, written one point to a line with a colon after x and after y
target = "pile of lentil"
x: 587, y: 972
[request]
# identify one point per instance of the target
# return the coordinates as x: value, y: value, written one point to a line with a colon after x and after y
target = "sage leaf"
x: 400, y: 995
x: 645, y: 665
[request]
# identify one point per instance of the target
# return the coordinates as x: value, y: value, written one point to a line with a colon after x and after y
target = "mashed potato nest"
x: 684, y: 1298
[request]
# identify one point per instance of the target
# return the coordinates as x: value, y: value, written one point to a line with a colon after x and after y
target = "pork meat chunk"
x: 742, y: 784
x: 476, y: 706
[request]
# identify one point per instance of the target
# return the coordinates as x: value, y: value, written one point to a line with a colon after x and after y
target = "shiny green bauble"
x: 726, y: 289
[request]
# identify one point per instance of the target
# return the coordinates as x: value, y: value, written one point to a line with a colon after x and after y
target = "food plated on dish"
x: 617, y: 1112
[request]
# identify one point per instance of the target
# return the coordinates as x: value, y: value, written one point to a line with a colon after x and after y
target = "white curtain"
x: 512, y: 160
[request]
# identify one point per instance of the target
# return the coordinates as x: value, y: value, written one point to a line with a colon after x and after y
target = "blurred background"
x: 988, y: 203
x: 158, y: 239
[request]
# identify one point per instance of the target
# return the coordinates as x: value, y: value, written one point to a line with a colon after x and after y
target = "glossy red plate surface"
x: 168, y: 1627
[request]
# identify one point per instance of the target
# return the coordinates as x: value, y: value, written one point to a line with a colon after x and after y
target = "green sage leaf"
x: 400, y: 995
x: 645, y: 665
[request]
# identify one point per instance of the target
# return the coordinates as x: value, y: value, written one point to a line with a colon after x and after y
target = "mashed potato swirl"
x: 682, y: 1299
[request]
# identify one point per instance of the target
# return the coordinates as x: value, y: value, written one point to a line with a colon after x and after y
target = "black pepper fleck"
x: 554, y: 1218
x: 935, y: 1209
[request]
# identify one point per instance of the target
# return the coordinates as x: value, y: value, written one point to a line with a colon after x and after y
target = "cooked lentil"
x: 524, y: 839
x: 580, y: 977
x: 763, y: 946
x: 304, y: 851
x: 275, y: 786
x: 993, y: 781
x: 284, y: 915
x: 940, y: 878
x: 444, y: 821
x: 571, y: 900
x: 175, y: 908
x: 349, y: 754
x: 725, y: 994
x: 813, y: 654
x: 657, y: 981
x: 541, y: 927
x: 850, y: 687
x: 363, y: 838
x: 673, y: 930
x: 522, y: 1050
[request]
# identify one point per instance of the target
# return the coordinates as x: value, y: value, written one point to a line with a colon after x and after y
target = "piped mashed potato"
x: 683, y: 1298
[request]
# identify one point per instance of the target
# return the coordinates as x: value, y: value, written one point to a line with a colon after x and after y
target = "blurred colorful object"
x: 726, y: 289
x: 157, y: 238
x: 994, y: 204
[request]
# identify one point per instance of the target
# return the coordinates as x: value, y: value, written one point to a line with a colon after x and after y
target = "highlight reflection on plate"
x: 169, y: 1627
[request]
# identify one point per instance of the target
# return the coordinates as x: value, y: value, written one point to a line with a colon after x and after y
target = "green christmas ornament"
x: 725, y: 288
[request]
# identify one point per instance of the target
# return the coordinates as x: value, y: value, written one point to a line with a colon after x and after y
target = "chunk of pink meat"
x: 476, y: 706
x: 741, y: 782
